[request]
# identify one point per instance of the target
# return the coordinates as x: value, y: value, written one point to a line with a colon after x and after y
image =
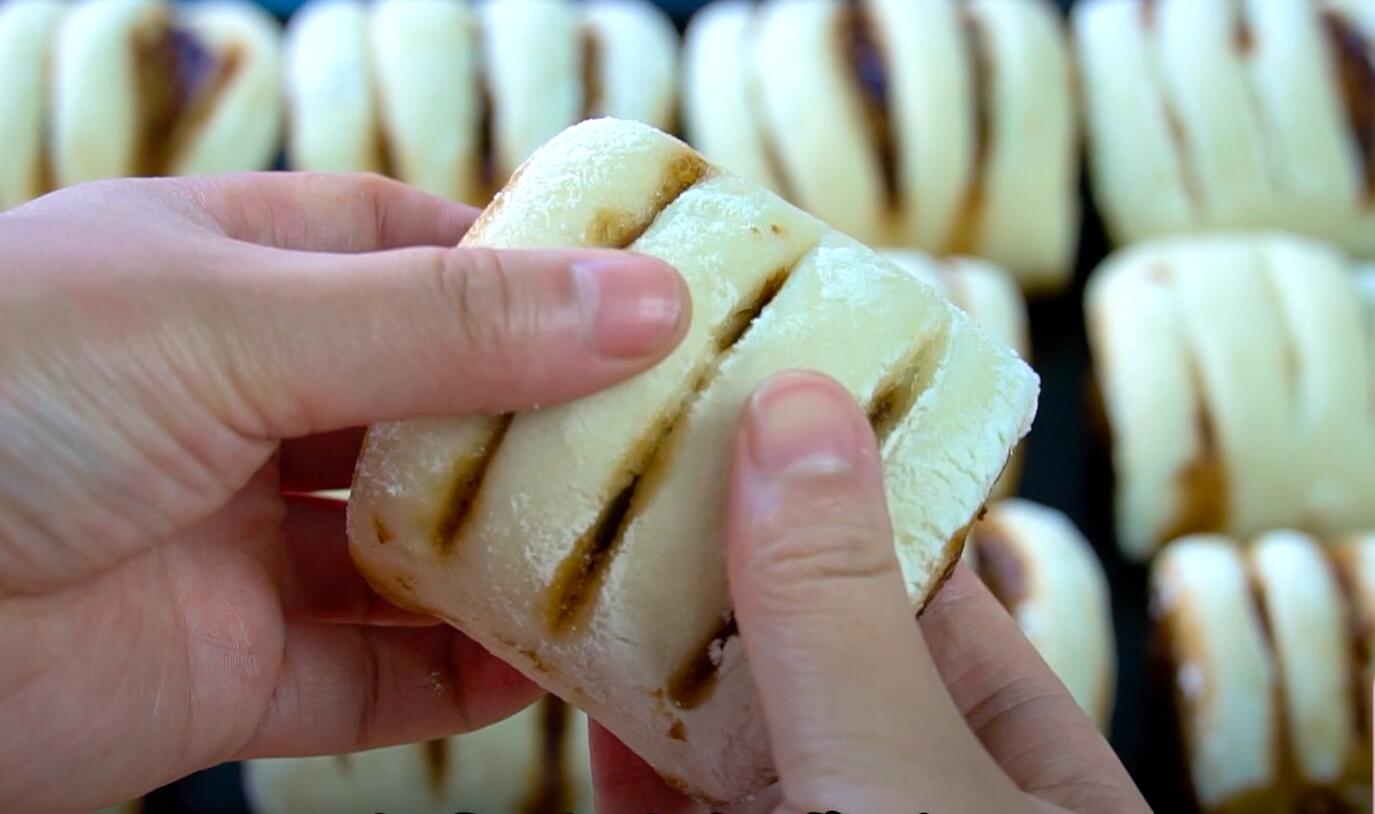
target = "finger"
x: 324, y: 342
x: 625, y: 784
x: 1018, y: 708
x: 324, y: 212
x: 319, y: 580
x: 320, y: 462
x: 343, y: 688
x: 857, y: 716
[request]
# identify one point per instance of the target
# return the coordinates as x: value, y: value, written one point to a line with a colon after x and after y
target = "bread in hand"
x: 1238, y: 377
x: 1046, y: 574
x: 941, y: 125
x: 583, y: 542
x: 142, y: 87
x: 535, y: 761
x: 992, y: 299
x: 1256, y: 643
x: 1208, y: 115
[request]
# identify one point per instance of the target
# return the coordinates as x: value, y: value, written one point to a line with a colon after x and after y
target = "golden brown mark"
x: 618, y: 228
x: 677, y: 731
x: 550, y: 793
x: 488, y: 173
x: 999, y: 565
x: 578, y: 579
x: 343, y: 763
x: 1258, y: 608
x: 950, y: 555
x: 404, y: 583
x: 1202, y: 487
x: 775, y: 228
x: 738, y: 322
x: 592, y: 90
x: 1243, y: 37
x: 465, y: 482
x: 895, y: 396
x: 1359, y: 629
x: 1355, y: 68
x: 436, y: 761
x: 694, y: 679
x: 179, y: 80
x: 863, y: 51
x: 383, y: 533
x: 964, y: 235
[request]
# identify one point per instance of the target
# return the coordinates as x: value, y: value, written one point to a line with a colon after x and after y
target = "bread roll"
x: 1238, y: 378
x: 991, y: 298
x: 535, y: 761
x: 1045, y: 573
x: 582, y: 542
x: 1258, y: 646
x: 27, y: 29
x: 450, y: 96
x: 946, y: 126
x: 1208, y: 115
x: 141, y: 87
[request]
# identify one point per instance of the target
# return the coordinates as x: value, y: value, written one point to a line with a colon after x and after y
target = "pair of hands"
x: 181, y: 359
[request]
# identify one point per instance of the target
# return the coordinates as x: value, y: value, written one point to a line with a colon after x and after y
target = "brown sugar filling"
x: 964, y: 235
x: 1359, y: 629
x: 1354, y: 57
x: 465, y: 481
x: 617, y: 229
x: 179, y: 80
x: 579, y: 578
x: 1202, y: 482
x: 861, y: 45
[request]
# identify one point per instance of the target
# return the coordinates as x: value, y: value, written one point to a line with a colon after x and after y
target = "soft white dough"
x: 1246, y: 356
x: 1063, y: 606
x: 494, y: 769
x: 27, y: 29
x: 496, y: 572
x: 334, y: 118
x: 1223, y: 677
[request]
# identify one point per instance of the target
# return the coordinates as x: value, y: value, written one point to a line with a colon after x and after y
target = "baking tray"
x: 1066, y: 467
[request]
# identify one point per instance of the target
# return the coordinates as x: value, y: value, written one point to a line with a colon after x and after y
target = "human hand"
x: 167, y: 600
x: 866, y: 711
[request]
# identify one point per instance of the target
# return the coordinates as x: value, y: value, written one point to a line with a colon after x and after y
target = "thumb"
x: 857, y: 715
x: 325, y: 341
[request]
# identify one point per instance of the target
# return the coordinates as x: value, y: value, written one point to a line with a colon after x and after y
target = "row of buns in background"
x: 1236, y: 371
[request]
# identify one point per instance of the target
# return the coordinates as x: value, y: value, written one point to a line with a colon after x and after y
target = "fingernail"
x: 802, y: 424
x: 631, y: 306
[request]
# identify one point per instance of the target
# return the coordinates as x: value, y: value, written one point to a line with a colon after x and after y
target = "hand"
x: 167, y: 600
x: 866, y: 711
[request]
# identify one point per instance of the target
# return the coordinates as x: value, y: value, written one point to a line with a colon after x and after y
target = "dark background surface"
x: 1066, y: 467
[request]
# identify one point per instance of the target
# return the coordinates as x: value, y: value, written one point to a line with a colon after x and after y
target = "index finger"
x: 1016, y: 706
x: 327, y: 212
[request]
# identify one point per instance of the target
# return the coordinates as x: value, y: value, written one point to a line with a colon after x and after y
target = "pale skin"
x: 180, y: 359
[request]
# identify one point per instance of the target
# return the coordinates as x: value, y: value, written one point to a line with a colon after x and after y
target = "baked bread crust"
x: 1045, y: 573
x: 141, y: 87
x: 1268, y: 655
x: 1236, y: 373
x: 534, y: 761
x: 1206, y: 115
x: 450, y: 96
x: 606, y: 588
x: 944, y: 126
x: 27, y: 29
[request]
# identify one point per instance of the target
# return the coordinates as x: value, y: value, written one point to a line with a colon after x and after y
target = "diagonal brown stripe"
x: 465, y: 481
x: 964, y: 233
x: 1354, y: 57
x: 579, y: 578
x: 863, y: 52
